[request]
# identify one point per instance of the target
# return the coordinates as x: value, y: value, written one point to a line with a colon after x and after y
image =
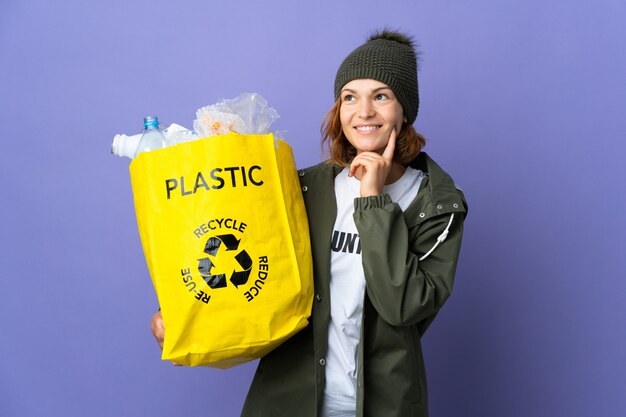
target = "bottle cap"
x: 151, y: 122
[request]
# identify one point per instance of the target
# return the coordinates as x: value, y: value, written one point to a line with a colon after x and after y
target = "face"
x: 368, y: 113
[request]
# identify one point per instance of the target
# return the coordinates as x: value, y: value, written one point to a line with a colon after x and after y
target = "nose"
x: 366, y: 110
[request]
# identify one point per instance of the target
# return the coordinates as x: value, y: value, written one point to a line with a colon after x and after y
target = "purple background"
x: 523, y: 102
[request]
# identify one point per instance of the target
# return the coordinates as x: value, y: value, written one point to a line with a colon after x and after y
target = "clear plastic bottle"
x: 126, y: 145
x: 152, y: 137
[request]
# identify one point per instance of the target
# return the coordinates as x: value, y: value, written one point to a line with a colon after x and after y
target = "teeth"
x: 366, y: 128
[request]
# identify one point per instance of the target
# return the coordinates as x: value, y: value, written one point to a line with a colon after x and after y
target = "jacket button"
x: 305, y: 188
x: 439, y: 206
x: 422, y: 215
x: 301, y: 173
x: 455, y: 205
x: 322, y: 362
x: 318, y: 297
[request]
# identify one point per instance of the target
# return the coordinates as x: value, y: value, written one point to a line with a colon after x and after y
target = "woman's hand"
x: 373, y: 169
x: 158, y: 330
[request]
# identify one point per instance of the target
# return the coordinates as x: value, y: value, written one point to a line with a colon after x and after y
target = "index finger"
x: 391, y: 146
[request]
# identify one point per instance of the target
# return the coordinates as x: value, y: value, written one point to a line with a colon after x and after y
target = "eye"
x: 381, y: 96
x: 348, y: 97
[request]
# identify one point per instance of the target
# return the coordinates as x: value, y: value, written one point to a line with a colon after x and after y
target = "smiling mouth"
x: 367, y: 128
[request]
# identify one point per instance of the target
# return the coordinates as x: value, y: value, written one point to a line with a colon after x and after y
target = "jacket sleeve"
x: 404, y: 290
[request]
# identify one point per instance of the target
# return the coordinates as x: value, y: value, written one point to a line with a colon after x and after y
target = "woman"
x: 386, y: 225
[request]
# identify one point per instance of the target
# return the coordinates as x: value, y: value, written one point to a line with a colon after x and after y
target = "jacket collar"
x: 438, y: 194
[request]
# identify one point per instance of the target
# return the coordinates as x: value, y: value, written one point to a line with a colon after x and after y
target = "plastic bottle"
x: 124, y: 145
x: 152, y: 137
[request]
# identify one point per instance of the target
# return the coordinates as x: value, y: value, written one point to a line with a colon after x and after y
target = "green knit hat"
x: 388, y: 57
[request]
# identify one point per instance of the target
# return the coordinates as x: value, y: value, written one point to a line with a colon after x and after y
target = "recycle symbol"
x: 211, y: 248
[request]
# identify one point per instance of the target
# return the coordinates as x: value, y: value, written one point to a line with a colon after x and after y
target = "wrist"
x: 370, y: 192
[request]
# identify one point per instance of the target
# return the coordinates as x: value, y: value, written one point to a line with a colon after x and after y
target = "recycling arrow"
x: 214, y: 243
x: 214, y: 281
x: 241, y: 277
x: 211, y: 248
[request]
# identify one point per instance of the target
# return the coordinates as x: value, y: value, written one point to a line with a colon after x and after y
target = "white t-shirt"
x: 347, y: 289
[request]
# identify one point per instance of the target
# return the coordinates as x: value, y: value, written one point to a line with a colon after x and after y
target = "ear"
x: 405, y: 120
